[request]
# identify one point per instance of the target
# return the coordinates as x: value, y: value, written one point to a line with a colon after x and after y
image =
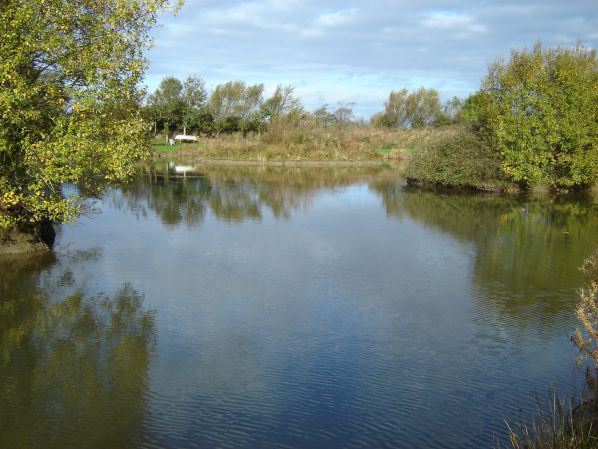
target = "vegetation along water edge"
x: 533, y: 124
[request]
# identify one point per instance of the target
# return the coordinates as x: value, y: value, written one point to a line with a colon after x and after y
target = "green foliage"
x: 69, y: 99
x: 237, y: 107
x: 341, y: 117
x: 282, y: 103
x: 539, y: 112
x: 194, y: 96
x: 406, y: 109
x: 460, y: 159
x: 167, y: 103
x: 450, y: 113
x: 179, y: 104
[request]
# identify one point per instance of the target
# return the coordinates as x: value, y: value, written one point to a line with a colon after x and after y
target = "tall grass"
x: 286, y: 140
x: 566, y: 425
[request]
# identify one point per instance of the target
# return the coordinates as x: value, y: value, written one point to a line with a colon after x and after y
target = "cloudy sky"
x: 358, y: 51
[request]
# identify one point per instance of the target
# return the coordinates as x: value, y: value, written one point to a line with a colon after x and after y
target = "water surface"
x: 297, y: 308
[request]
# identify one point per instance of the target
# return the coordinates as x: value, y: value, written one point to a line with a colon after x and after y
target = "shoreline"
x: 278, y: 163
x: 398, y: 164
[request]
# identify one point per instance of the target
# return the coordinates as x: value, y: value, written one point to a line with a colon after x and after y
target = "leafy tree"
x: 168, y: 103
x: 406, y: 109
x: 450, y: 113
x: 343, y: 115
x: 396, y: 109
x: 282, y: 103
x: 423, y: 107
x: 237, y: 107
x: 538, y: 111
x: 69, y: 72
x: 193, y: 96
x: 323, y: 116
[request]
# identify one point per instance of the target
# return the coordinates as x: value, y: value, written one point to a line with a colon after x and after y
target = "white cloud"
x: 451, y: 22
x: 335, y: 19
x: 359, y: 51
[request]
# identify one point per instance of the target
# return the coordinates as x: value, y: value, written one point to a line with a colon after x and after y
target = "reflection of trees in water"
x: 73, y: 373
x: 524, y: 247
x: 238, y: 193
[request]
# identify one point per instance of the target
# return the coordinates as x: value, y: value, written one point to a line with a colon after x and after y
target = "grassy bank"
x: 310, y: 144
x: 449, y: 157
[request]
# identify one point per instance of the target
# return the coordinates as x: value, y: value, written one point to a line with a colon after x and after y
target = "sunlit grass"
x: 307, y: 143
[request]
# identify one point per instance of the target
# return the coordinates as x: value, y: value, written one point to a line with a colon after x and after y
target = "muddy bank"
x: 31, y: 239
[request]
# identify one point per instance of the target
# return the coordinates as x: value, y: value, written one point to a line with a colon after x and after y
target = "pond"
x: 255, y: 307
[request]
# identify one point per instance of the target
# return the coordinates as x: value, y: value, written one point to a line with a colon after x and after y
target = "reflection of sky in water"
x: 337, y: 326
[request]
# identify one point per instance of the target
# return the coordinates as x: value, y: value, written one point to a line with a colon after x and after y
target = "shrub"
x: 459, y: 159
x: 538, y: 112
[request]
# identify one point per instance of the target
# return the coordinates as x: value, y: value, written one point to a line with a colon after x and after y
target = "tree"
x: 450, y: 113
x: 423, y: 107
x: 343, y: 114
x: 168, y: 103
x: 69, y: 73
x: 193, y: 96
x: 237, y: 107
x: 539, y: 112
x: 395, y: 109
x: 282, y: 103
x: 406, y: 109
x: 323, y: 116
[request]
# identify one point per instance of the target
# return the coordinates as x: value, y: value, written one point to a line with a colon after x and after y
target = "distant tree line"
x: 237, y: 107
x: 533, y: 121
x: 234, y: 106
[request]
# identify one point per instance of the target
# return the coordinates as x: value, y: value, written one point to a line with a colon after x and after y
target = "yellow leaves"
x: 81, y: 124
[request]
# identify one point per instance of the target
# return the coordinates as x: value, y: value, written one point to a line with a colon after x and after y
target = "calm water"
x: 291, y: 308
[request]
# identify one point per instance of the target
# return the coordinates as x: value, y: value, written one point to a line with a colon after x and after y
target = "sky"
x: 358, y: 51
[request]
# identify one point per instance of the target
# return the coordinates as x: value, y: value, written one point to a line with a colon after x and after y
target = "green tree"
x: 406, y: 109
x: 193, y: 96
x: 451, y: 112
x: 343, y: 115
x: 395, y: 109
x: 539, y: 113
x: 323, y: 117
x: 281, y: 103
x: 237, y: 107
x: 168, y: 104
x: 69, y: 72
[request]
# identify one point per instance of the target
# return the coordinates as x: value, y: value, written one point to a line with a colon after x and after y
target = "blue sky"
x: 358, y: 51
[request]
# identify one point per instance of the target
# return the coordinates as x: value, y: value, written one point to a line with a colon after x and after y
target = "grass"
x: 299, y: 142
x: 566, y: 425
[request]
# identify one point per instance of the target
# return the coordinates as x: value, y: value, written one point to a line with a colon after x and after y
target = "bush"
x: 459, y: 159
x: 538, y: 112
